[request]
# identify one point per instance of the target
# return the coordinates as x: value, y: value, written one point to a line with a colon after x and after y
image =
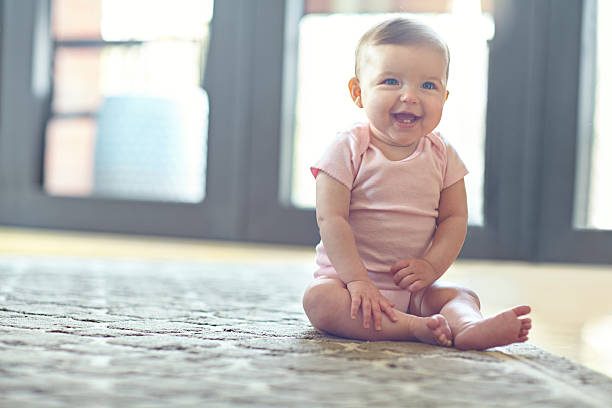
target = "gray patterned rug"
x: 110, y: 333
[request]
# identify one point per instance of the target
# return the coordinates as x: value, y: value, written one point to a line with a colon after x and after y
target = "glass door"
x: 576, y: 225
x: 328, y: 35
x: 129, y: 114
x: 314, y: 58
x: 593, y: 195
x: 119, y: 116
x: 507, y: 115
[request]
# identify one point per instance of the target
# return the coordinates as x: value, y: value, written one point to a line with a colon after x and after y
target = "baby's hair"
x: 401, y: 31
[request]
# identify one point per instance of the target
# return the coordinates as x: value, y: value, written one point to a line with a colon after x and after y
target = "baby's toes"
x: 443, y: 340
x: 443, y: 337
x: 441, y: 330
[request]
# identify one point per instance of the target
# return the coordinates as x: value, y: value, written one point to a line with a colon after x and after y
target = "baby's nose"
x: 408, y: 96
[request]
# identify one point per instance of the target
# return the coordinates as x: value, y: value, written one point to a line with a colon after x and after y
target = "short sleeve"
x: 455, y: 168
x: 342, y: 158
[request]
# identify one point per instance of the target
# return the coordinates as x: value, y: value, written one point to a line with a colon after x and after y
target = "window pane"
x: 326, y: 62
x: 76, y: 19
x: 600, y: 198
x: 127, y: 78
x: 77, y: 80
x: 69, y: 156
x: 155, y: 19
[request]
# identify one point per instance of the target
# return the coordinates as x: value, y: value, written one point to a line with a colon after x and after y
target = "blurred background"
x: 187, y: 127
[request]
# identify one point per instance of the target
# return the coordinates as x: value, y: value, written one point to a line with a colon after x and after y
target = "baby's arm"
x: 416, y: 274
x: 333, y: 200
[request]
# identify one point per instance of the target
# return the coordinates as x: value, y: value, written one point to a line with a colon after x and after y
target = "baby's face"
x: 403, y: 90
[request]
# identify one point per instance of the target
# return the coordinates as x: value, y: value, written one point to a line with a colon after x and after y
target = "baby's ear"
x: 355, y: 91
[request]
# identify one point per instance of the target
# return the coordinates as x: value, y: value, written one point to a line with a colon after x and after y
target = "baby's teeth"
x: 406, y: 118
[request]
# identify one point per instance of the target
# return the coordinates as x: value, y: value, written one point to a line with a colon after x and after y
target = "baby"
x: 392, y: 209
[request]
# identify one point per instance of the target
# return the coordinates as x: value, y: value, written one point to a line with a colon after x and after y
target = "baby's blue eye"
x: 429, y: 85
x: 390, y: 81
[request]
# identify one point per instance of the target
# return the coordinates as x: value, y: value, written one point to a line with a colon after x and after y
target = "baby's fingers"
x: 355, y: 304
x: 388, y: 309
x: 366, y: 309
x: 407, y: 281
x: 416, y: 286
x: 377, y: 316
x: 401, y: 264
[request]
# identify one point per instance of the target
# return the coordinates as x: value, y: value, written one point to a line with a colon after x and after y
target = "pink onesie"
x: 394, y: 204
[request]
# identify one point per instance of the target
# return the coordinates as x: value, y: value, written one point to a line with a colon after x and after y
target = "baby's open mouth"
x: 406, y: 117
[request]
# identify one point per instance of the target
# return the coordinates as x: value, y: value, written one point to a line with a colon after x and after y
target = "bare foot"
x: 433, y: 330
x: 499, y: 330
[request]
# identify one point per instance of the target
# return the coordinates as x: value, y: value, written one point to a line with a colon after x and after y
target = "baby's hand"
x: 413, y: 274
x: 367, y: 296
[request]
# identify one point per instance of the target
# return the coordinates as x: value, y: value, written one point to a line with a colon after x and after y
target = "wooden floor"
x: 572, y: 304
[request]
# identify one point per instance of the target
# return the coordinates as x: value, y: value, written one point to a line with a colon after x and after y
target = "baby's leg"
x: 471, y: 331
x: 327, y: 304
